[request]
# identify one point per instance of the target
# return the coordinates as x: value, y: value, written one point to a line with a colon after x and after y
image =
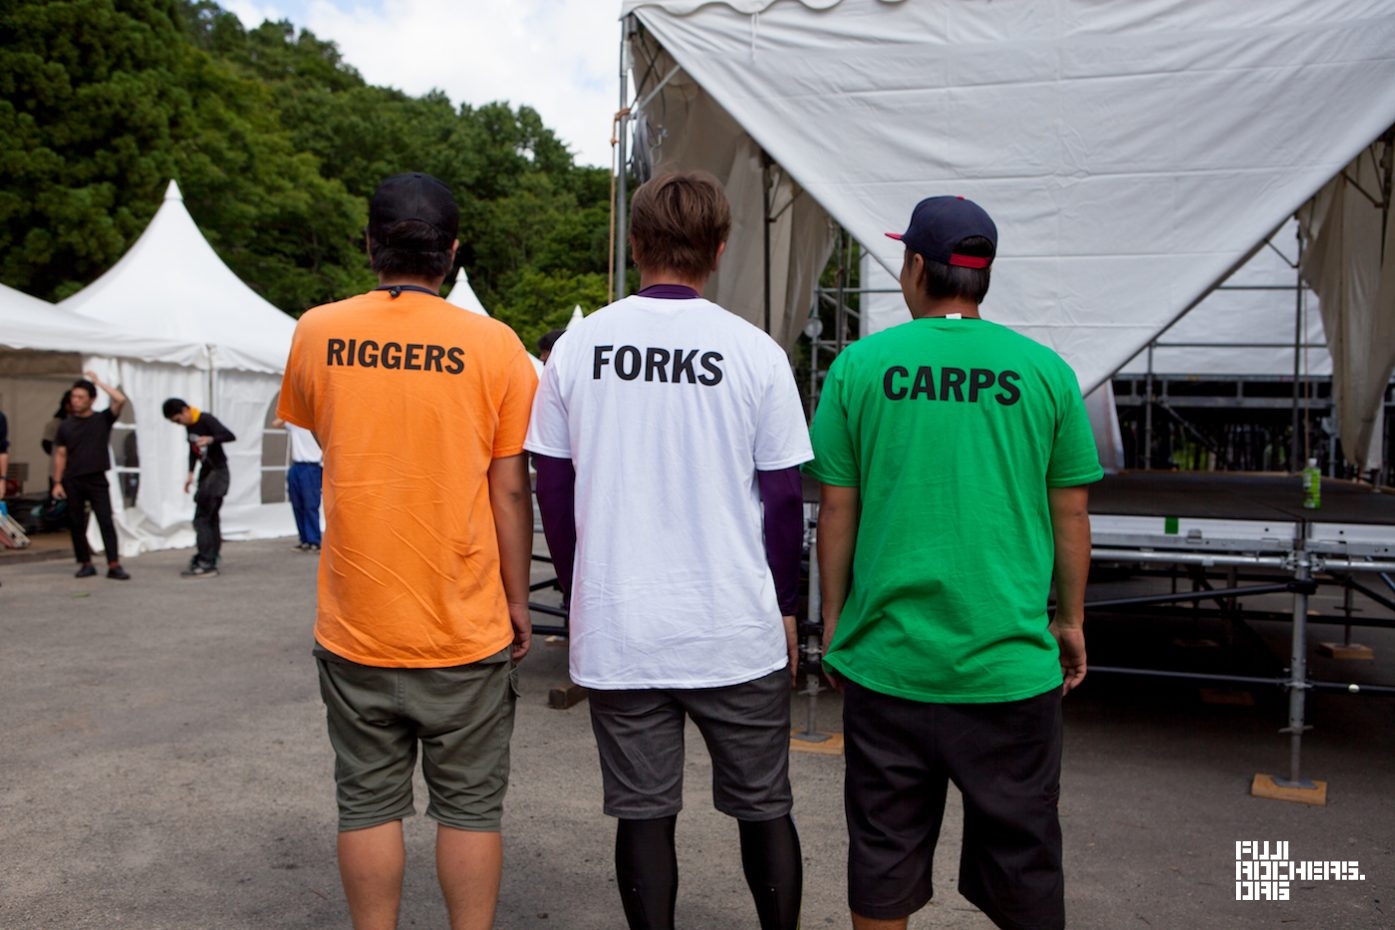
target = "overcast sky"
x: 561, y: 57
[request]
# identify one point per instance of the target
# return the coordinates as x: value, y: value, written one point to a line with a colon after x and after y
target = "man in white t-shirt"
x: 668, y: 435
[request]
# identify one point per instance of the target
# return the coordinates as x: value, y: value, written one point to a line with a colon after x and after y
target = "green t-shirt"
x: 951, y: 430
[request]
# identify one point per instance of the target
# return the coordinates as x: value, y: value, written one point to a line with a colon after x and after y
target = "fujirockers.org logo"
x: 1263, y: 871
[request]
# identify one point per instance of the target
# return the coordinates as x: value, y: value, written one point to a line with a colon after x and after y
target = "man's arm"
x: 60, y: 465
x: 837, y: 540
x: 557, y: 503
x: 512, y: 503
x: 217, y: 430
x: 782, y: 500
x: 118, y: 400
x: 1070, y: 531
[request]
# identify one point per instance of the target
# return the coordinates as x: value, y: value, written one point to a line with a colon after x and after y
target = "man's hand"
x: 522, y: 622
x: 1071, y: 640
x: 188, y: 482
x: 792, y: 645
x: 830, y: 626
x: 58, y: 492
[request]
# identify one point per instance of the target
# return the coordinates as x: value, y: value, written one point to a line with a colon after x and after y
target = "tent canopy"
x: 171, y: 282
x: 1132, y: 154
x: 28, y: 323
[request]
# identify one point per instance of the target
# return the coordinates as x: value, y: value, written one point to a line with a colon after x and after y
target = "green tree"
x: 277, y: 143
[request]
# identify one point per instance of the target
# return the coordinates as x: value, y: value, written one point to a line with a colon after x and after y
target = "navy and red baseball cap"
x: 940, y: 224
x: 418, y: 197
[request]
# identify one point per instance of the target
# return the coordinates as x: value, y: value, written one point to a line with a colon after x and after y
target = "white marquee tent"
x: 42, y: 351
x: 172, y: 286
x: 1133, y: 154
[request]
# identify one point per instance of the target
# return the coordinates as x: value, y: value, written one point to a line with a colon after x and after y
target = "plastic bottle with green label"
x: 1312, y: 486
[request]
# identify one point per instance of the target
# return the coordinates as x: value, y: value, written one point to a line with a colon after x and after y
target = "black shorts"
x: 1004, y: 758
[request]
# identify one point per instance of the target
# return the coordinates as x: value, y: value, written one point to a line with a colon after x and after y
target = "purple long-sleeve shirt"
x: 781, y: 498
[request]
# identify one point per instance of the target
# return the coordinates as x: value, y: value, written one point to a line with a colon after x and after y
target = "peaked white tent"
x: 463, y: 295
x: 171, y: 284
x: 1132, y: 153
x: 577, y: 316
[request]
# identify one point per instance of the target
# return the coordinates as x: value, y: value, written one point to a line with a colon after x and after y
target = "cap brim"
x: 896, y: 236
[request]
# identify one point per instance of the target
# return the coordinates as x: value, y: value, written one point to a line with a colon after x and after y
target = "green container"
x: 1312, y: 486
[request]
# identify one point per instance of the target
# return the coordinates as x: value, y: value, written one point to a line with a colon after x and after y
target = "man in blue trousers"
x: 303, y: 484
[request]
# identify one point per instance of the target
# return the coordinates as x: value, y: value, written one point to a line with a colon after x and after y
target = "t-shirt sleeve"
x: 547, y: 431
x: 782, y: 435
x: 296, y: 404
x: 835, y: 454
x: 521, y: 384
x: 4, y: 434
x: 1074, y: 459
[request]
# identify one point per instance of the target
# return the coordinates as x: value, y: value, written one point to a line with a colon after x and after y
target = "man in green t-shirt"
x: 953, y: 455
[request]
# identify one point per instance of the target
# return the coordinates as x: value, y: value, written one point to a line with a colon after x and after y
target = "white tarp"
x: 1248, y: 325
x: 1132, y: 154
x: 1351, y: 264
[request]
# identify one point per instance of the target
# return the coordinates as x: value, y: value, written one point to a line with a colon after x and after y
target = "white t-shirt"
x: 667, y: 409
x: 304, y: 448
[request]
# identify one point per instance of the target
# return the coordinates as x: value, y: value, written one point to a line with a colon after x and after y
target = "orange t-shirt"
x: 411, y: 399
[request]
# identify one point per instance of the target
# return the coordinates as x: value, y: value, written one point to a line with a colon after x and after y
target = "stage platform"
x: 1254, y: 524
x: 1241, y: 512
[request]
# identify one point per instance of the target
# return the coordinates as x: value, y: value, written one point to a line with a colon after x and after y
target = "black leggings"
x: 646, y: 869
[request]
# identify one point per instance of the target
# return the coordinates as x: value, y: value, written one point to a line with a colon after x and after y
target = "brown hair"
x: 678, y: 221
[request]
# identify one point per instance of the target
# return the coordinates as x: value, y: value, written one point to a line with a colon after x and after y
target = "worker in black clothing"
x: 206, y: 438
x: 81, y: 459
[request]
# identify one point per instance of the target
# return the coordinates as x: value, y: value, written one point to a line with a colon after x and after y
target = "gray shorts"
x: 462, y: 717
x: 747, y: 730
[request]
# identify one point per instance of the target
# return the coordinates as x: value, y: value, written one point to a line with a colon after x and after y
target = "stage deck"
x: 1239, y: 496
x: 1240, y: 512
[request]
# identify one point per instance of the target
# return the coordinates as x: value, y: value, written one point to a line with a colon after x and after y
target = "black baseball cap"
x: 419, y: 197
x: 939, y: 224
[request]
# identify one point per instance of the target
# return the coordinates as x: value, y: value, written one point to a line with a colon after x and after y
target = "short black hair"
x: 409, y: 255
x: 946, y: 282
x: 172, y: 406
x: 549, y: 339
x: 86, y: 385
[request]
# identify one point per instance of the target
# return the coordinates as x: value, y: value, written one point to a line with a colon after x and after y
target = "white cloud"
x: 560, y: 57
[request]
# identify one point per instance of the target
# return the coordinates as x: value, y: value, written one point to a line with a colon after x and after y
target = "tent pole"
x: 212, y: 401
x: 622, y: 194
x: 1297, y: 455
x: 765, y: 228
x: 1148, y: 411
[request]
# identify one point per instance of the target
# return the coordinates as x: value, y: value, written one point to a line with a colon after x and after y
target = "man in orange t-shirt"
x: 421, y: 410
